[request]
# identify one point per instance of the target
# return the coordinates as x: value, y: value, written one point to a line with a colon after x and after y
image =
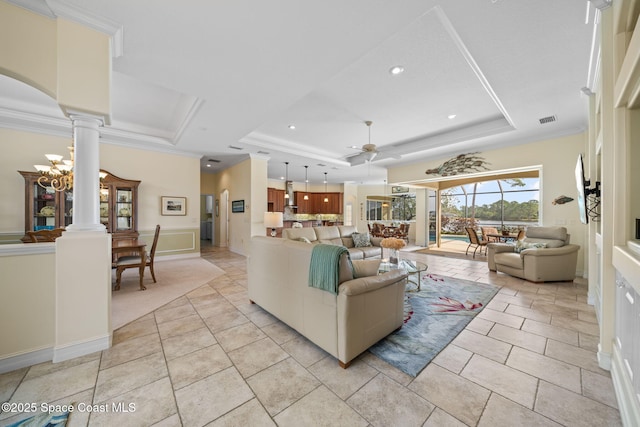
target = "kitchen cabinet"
x: 315, y: 204
x: 275, y: 200
x: 304, y: 206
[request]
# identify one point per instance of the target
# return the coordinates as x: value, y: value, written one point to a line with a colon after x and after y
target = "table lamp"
x: 273, y: 220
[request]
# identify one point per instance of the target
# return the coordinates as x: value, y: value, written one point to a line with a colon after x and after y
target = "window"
x: 510, y: 202
x: 391, y: 208
x: 403, y: 208
x: 374, y: 210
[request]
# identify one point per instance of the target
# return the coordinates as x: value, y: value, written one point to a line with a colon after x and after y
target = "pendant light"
x: 326, y: 198
x: 384, y: 202
x: 286, y: 179
x: 306, y: 181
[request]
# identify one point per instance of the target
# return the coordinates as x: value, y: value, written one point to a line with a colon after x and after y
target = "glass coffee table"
x: 412, y: 268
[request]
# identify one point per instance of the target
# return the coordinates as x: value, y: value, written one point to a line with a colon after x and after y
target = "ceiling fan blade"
x: 387, y: 155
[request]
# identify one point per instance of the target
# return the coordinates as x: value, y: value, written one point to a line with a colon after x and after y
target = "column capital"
x: 81, y: 119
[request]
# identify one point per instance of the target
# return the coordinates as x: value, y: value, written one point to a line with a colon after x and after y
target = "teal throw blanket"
x: 324, y: 271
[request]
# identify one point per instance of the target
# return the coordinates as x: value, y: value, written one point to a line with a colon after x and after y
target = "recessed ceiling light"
x: 292, y: 127
x: 398, y: 69
x: 451, y: 116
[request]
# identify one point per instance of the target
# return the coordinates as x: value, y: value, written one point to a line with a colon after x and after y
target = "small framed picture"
x: 237, y: 206
x: 399, y: 189
x: 174, y: 205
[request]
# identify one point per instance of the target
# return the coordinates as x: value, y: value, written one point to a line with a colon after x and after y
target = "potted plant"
x: 394, y: 245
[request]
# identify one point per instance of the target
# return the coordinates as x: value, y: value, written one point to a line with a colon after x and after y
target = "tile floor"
x: 211, y: 358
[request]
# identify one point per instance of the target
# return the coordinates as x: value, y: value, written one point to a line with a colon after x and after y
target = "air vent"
x: 263, y: 152
x: 548, y: 119
x: 236, y: 148
x: 321, y: 165
x: 213, y: 160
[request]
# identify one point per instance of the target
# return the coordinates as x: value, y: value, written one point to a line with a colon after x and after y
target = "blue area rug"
x: 433, y: 318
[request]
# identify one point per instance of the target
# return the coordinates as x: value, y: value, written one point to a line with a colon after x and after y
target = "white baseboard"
x: 54, y: 354
x: 70, y: 351
x: 26, y: 359
x: 591, y: 299
x: 627, y: 401
x: 604, y: 359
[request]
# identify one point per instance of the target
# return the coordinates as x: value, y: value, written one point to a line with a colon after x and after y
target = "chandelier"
x: 58, y: 175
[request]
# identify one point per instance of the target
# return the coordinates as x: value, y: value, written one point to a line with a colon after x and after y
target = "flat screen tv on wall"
x: 588, y: 208
x: 582, y: 184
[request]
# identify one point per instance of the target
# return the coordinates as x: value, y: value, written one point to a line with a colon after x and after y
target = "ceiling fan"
x: 369, y: 152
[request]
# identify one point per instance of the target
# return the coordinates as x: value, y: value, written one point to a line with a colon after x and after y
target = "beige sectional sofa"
x: 365, y: 310
x: 556, y: 261
x: 336, y: 235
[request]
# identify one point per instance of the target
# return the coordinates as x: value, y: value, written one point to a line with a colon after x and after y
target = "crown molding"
x: 29, y: 122
x: 37, y: 6
x: 261, y: 140
x: 601, y: 4
x: 61, y: 127
x: 190, y: 114
x: 471, y: 62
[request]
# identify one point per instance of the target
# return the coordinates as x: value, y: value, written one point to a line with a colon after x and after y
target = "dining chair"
x: 45, y: 235
x: 134, y: 261
x: 475, y: 241
x: 403, y: 232
x: 489, y: 230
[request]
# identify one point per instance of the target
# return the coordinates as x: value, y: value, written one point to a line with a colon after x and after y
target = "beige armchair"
x: 555, y: 262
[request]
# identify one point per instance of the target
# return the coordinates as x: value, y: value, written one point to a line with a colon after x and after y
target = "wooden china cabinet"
x: 46, y: 208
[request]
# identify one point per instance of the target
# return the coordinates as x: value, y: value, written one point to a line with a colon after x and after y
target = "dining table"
x: 503, y: 237
x: 129, y: 246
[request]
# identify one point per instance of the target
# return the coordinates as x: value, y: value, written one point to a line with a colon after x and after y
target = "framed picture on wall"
x: 237, y: 206
x: 173, y: 205
x: 398, y: 189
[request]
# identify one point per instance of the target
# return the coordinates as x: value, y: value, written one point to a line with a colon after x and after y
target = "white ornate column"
x: 86, y: 169
x: 83, y: 256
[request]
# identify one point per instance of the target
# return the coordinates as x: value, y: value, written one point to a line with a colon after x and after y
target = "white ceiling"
x: 200, y: 77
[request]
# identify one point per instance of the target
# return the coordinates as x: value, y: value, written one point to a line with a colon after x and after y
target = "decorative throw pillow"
x: 522, y: 245
x: 361, y: 240
x: 304, y: 239
x: 365, y: 267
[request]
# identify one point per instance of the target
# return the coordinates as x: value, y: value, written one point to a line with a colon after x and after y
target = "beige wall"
x: 28, y: 48
x: 556, y: 159
x: 161, y: 174
x: 258, y: 196
x: 27, y: 310
x: 245, y: 181
x: 67, y: 61
x: 84, y: 70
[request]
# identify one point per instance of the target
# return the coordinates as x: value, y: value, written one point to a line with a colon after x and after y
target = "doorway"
x: 224, y: 218
x: 207, y: 220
